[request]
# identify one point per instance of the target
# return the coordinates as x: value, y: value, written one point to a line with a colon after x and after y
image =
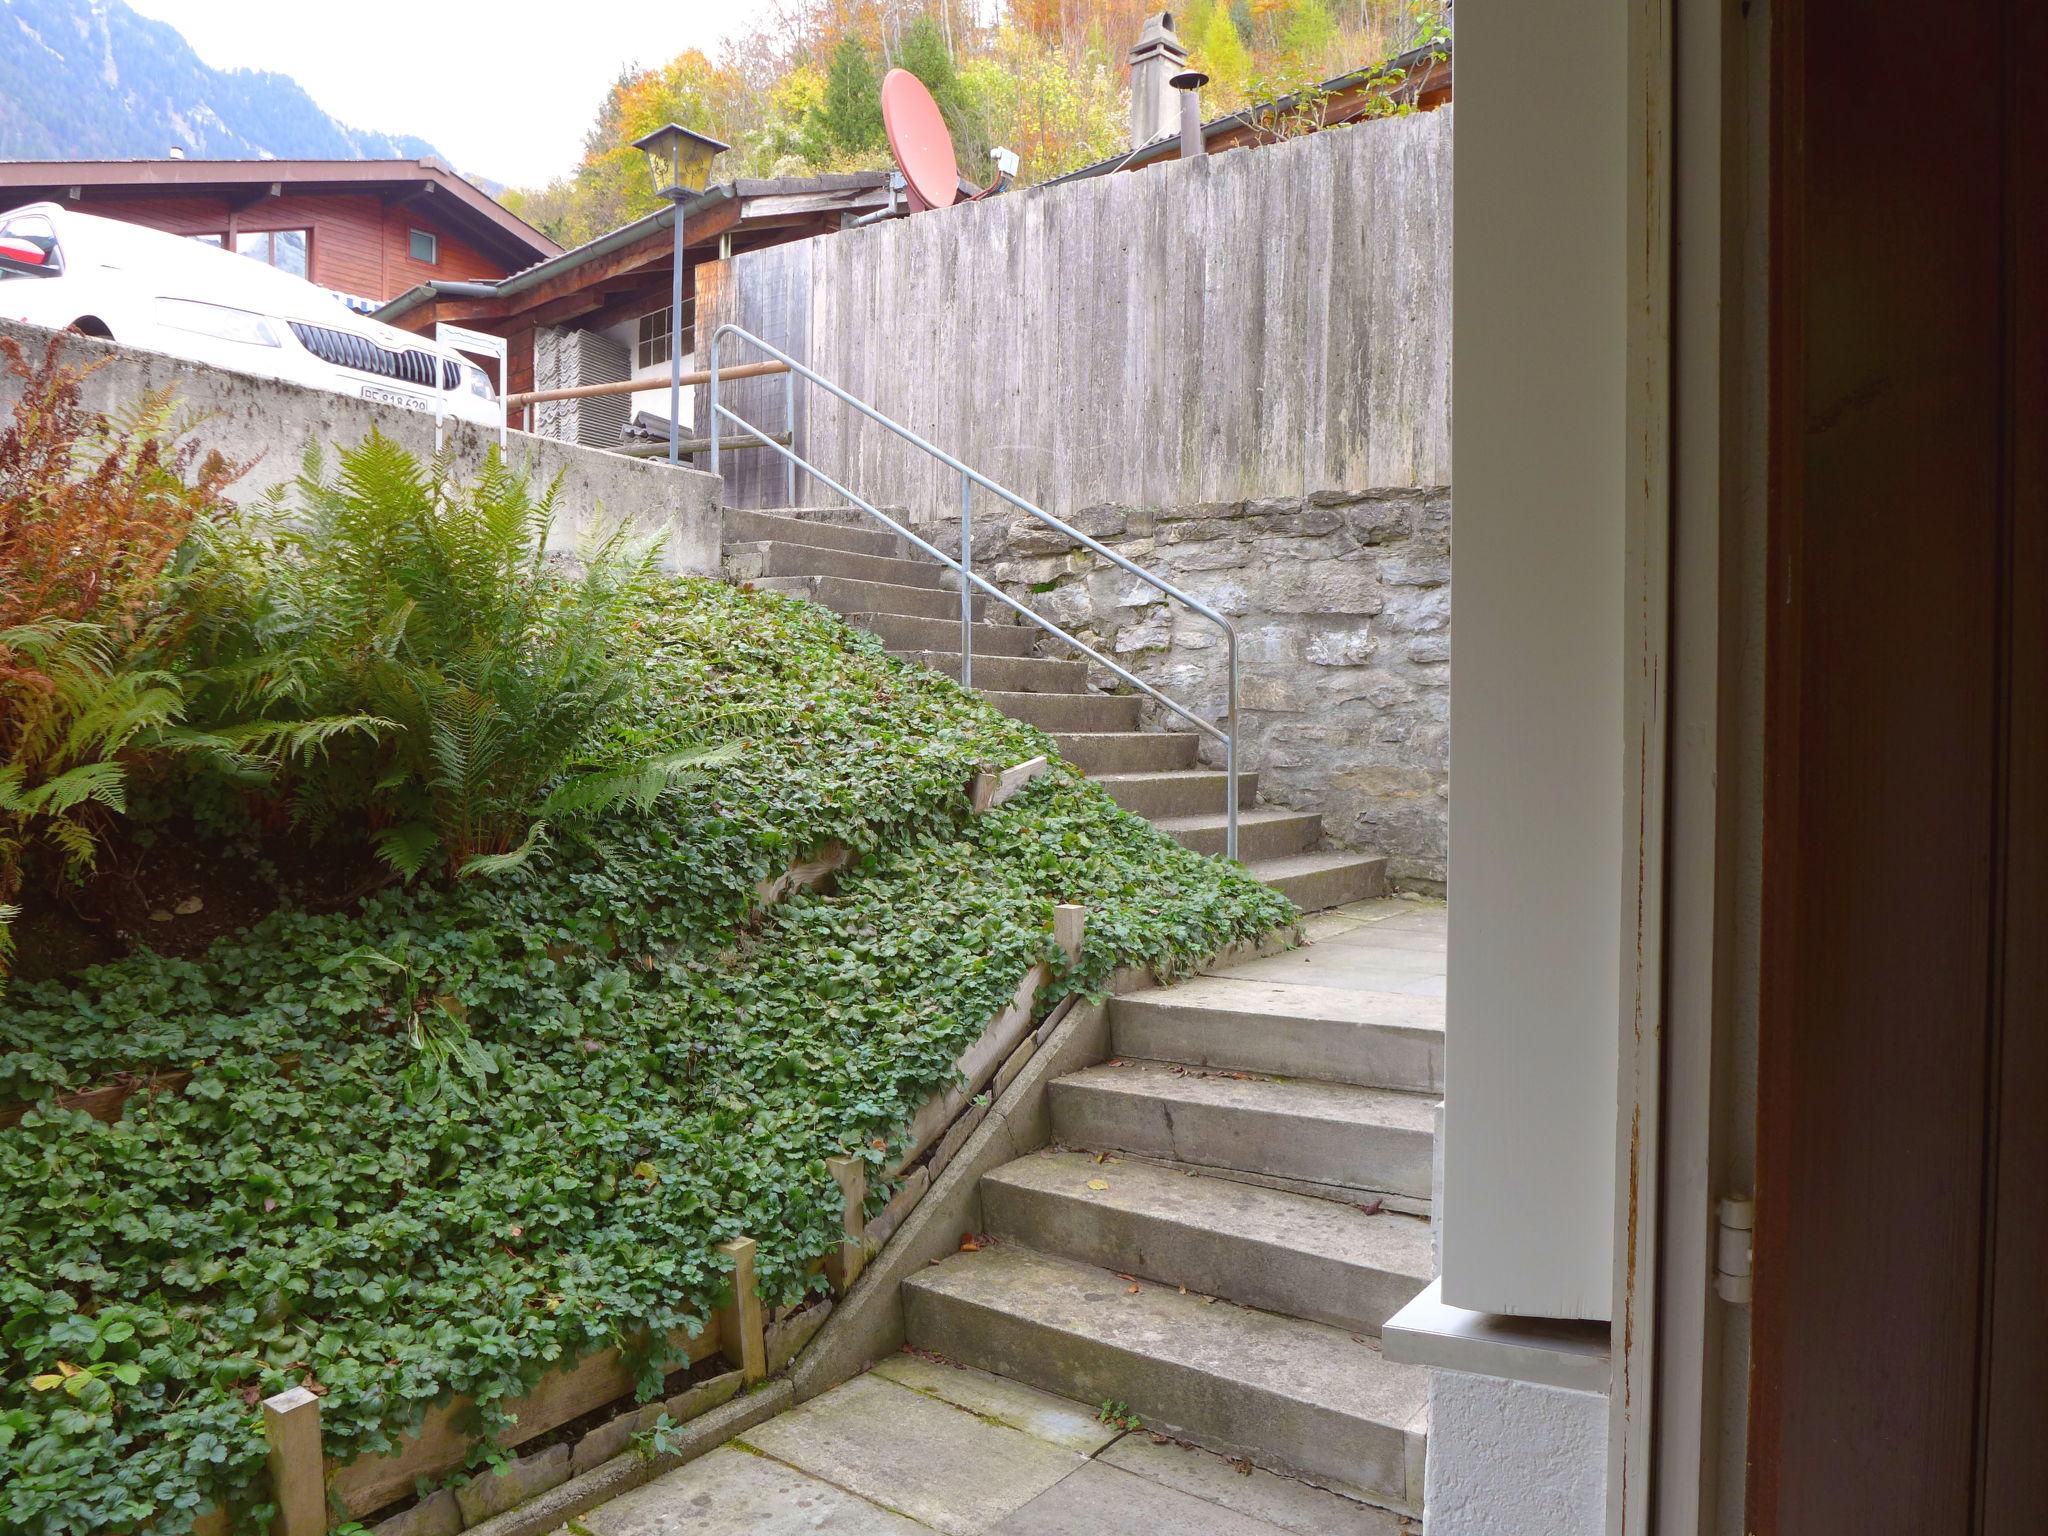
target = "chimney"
x: 1157, y: 57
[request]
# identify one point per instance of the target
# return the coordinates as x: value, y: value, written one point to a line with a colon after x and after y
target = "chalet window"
x: 653, y: 344
x: 285, y: 249
x: 424, y: 246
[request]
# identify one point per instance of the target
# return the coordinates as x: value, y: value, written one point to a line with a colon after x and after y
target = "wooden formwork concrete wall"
x: 1269, y: 322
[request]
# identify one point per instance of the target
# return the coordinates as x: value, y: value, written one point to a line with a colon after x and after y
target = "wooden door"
x: 1899, y: 1362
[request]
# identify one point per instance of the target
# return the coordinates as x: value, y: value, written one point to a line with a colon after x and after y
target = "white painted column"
x: 1536, y: 843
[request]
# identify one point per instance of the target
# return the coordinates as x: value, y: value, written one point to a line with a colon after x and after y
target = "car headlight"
x: 479, y: 382
x: 216, y: 320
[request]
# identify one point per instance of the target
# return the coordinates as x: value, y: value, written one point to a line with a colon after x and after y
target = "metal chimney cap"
x: 1188, y: 80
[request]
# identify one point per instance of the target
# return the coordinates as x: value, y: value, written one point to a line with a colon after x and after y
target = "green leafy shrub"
x: 472, y: 1132
x: 91, y: 511
x: 460, y: 681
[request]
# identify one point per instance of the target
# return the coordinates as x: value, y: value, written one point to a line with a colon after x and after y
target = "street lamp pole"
x: 675, y: 344
x: 680, y: 161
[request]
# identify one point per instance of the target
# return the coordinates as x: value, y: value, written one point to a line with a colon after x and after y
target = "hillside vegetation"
x: 798, y: 93
x: 497, y: 1114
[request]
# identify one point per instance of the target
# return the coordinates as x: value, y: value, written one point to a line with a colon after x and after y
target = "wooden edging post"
x: 844, y: 1264
x: 291, y: 1426
x: 741, y: 1332
x: 1069, y: 921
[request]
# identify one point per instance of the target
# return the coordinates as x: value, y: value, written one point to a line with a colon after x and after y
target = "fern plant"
x: 423, y: 609
x: 92, y: 510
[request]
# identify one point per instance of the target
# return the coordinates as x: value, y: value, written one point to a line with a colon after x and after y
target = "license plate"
x: 397, y: 397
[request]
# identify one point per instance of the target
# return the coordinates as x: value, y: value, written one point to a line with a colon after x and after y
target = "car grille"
x: 347, y: 350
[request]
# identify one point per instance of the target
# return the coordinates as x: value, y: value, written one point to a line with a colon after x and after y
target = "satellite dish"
x: 919, y: 141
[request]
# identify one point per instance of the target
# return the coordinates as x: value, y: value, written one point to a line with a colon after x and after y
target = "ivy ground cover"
x: 470, y: 1132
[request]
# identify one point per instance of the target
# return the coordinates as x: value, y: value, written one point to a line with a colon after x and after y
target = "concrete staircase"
x: 866, y: 574
x: 1232, y: 1207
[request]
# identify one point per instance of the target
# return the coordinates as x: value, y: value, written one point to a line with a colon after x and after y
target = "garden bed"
x: 433, y: 1152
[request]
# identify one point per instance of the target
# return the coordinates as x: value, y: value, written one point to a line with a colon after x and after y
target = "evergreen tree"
x: 851, y: 116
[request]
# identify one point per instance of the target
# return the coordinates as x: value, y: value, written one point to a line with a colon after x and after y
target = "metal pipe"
x: 1206, y: 727
x: 1191, y: 125
x: 716, y: 336
x: 966, y: 591
x: 1189, y: 83
x: 975, y: 475
x: 970, y: 581
x: 675, y: 347
x: 789, y: 415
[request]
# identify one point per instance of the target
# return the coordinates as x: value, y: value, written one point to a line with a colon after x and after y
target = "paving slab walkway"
x: 918, y: 1445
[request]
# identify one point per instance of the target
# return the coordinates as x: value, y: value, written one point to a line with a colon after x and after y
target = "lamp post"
x: 680, y: 162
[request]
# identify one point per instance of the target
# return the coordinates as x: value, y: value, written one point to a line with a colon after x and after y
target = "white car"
x: 68, y: 270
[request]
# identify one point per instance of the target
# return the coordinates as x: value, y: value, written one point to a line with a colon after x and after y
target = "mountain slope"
x: 91, y: 79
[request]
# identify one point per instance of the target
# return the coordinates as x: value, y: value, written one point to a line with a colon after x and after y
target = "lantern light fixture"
x: 679, y: 159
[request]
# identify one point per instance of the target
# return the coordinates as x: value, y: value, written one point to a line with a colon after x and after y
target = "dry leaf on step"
x: 1098, y: 1183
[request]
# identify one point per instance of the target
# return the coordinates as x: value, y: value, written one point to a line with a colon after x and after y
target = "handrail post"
x: 1230, y: 754
x: 789, y: 415
x: 716, y: 336
x: 966, y: 586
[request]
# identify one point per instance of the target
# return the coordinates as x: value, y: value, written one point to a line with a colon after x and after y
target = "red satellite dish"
x: 919, y: 141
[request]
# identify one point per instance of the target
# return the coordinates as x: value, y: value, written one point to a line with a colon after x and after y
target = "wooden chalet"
x: 599, y: 313
x: 368, y: 229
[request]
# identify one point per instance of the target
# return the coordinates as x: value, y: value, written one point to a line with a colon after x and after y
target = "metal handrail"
x: 970, y: 578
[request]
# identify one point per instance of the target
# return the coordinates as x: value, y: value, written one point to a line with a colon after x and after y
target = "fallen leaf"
x: 188, y: 906
x: 1098, y: 1183
x: 968, y: 1244
x: 519, y: 1231
x: 1156, y: 1438
x: 1243, y: 1465
x: 269, y: 1202
x: 1373, y: 1207
x: 1183, y: 1290
x: 1133, y: 1291
x: 159, y: 916
x: 1122, y: 1276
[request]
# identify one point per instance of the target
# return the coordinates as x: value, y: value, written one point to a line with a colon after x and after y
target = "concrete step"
x: 844, y: 596
x: 1068, y: 711
x: 1128, y: 751
x: 1371, y: 1039
x: 1263, y: 832
x: 1334, y: 1135
x: 1177, y: 792
x: 1008, y: 674
x: 757, y: 562
x: 1265, y: 1248
x: 1298, y: 1396
x: 902, y: 632
x: 864, y: 538
x: 1316, y: 881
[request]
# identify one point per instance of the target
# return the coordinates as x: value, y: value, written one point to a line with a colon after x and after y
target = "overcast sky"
x: 505, y: 90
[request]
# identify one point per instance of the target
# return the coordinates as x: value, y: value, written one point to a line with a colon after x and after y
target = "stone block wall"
x: 1342, y: 604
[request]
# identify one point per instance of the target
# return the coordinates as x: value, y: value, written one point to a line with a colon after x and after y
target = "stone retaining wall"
x: 1342, y: 604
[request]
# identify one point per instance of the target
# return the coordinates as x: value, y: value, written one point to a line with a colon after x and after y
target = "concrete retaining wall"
x: 271, y: 423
